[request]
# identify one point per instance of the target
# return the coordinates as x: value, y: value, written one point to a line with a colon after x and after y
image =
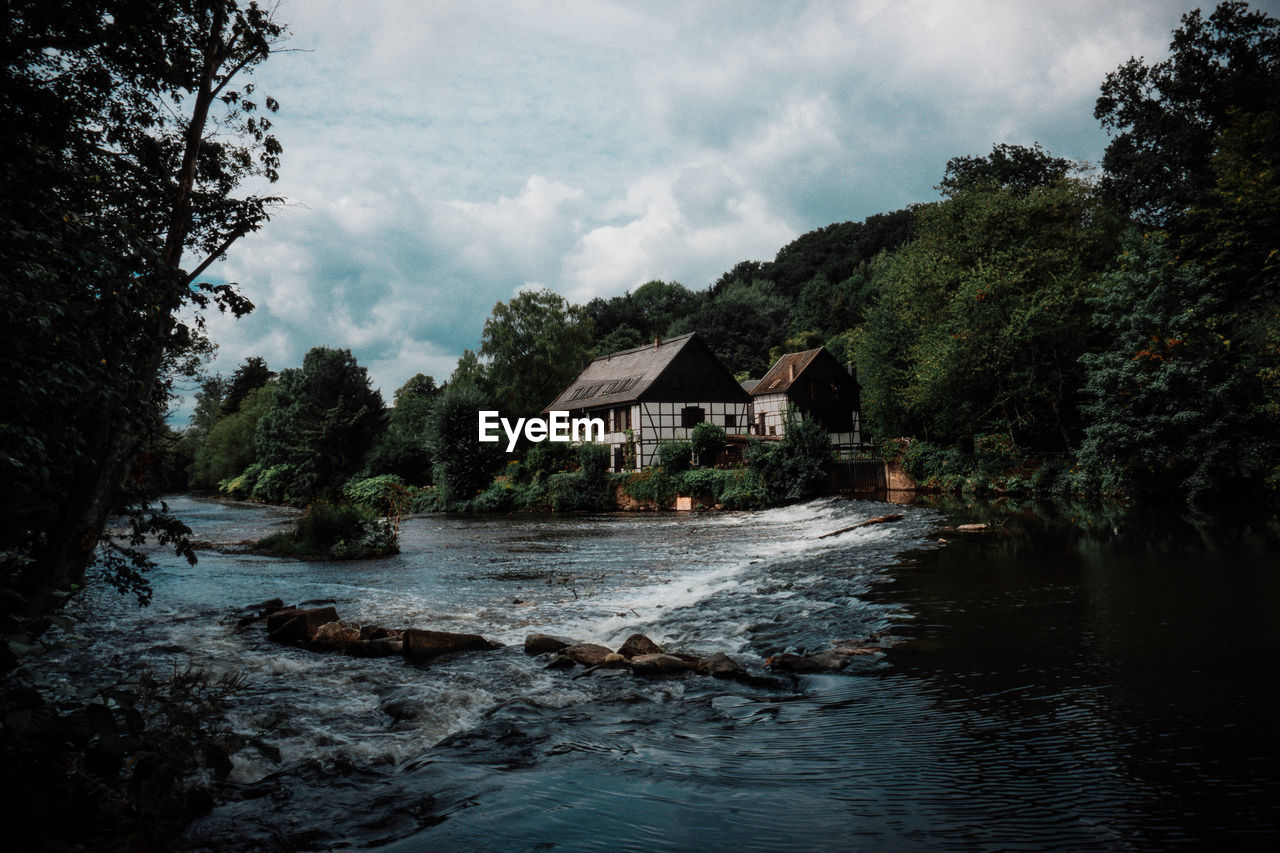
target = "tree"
x: 981, y: 318
x: 1170, y: 411
x: 463, y: 464
x: 1014, y: 167
x: 254, y: 373
x: 402, y: 448
x: 1165, y: 118
x: 535, y: 344
x: 129, y: 128
x: 741, y: 322
x: 228, y: 449
x: 323, y: 419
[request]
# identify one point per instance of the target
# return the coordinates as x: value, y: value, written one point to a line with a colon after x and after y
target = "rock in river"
x: 587, y: 654
x: 298, y: 626
x: 658, y: 664
x: 536, y: 644
x: 421, y: 646
x: 639, y: 644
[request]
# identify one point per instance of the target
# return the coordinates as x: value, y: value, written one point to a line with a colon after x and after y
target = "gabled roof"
x: 785, y: 371
x: 623, y: 377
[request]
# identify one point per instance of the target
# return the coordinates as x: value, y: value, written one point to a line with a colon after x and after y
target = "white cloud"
x: 442, y: 156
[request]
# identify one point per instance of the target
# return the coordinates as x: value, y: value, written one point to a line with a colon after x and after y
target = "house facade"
x: 655, y: 393
x: 819, y: 386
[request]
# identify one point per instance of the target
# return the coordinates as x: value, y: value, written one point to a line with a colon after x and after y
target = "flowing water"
x: 1042, y: 688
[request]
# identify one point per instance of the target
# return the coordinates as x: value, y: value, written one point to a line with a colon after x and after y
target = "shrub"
x: 385, y: 494
x: 273, y: 484
x: 340, y: 531
x: 499, y: 497
x: 546, y: 458
x: 673, y: 456
x: 653, y: 485
x: 707, y: 441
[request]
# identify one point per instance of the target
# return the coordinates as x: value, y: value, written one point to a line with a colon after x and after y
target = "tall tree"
x: 535, y: 344
x: 130, y: 126
x: 323, y: 418
x: 1164, y: 118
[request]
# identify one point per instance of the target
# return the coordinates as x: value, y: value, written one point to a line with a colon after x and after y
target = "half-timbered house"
x: 654, y: 393
x: 818, y: 386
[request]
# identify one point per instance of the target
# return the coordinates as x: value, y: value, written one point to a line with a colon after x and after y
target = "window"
x: 730, y: 421
x: 691, y: 416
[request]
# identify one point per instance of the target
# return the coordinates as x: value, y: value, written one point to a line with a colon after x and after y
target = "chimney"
x: 792, y: 370
x: 657, y: 341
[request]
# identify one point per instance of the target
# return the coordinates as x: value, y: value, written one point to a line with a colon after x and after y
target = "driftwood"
x: 879, y: 519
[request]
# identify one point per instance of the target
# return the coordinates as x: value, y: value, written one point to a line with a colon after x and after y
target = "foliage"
x: 463, y: 465
x: 129, y: 127
x: 228, y: 447
x: 401, y: 449
x: 545, y: 458
x: 1170, y: 406
x: 675, y: 455
x: 250, y: 375
x: 385, y: 494
x: 635, y: 318
x: 333, y: 531
x: 706, y: 441
x: 323, y: 418
x: 979, y: 320
x: 795, y: 468
x: 1014, y: 167
x: 1165, y: 118
x: 535, y: 344
x: 133, y: 759
x: 651, y: 486
x: 739, y: 323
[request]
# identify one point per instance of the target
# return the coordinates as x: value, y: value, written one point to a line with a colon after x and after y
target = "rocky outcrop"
x: 336, y: 636
x: 587, y: 654
x: 637, y: 645
x: 293, y: 626
x: 421, y: 646
x: 830, y: 660
x: 658, y: 664
x: 538, y: 644
x: 720, y: 665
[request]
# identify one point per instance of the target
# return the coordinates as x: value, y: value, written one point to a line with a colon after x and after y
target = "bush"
x: 546, y: 458
x: 674, y: 456
x: 385, y: 494
x: 332, y: 531
x: 653, y: 485
x: 707, y: 441
x: 499, y: 497
x: 273, y: 484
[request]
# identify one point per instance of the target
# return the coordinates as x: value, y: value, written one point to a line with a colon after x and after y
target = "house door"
x: 617, y: 457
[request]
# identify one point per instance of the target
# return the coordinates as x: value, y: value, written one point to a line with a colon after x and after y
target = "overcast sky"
x: 441, y: 156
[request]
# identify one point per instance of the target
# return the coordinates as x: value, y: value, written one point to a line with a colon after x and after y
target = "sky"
x: 440, y: 157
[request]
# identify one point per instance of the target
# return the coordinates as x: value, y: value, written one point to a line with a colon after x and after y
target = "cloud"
x: 440, y: 157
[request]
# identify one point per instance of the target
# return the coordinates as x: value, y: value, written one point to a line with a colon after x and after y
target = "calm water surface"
x: 1049, y: 689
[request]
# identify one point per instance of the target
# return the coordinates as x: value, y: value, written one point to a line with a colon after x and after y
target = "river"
x: 1050, y: 685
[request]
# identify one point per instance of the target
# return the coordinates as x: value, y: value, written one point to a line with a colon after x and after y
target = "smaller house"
x: 654, y: 393
x: 819, y: 386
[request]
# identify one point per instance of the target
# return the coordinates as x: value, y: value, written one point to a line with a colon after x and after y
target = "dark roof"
x: 622, y: 377
x: 748, y: 384
x: 785, y: 371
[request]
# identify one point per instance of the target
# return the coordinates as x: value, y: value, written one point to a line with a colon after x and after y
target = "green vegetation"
x: 334, y: 531
x: 1037, y: 327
